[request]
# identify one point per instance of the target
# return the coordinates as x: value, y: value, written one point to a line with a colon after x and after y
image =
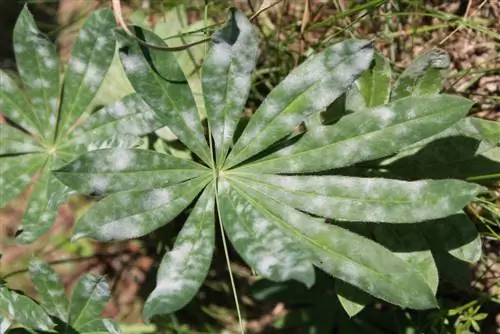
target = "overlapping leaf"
x: 43, y: 136
x: 366, y: 135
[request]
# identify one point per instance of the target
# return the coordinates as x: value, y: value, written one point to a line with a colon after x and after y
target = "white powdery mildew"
x: 99, y: 184
x: 121, y: 159
x: 95, y: 286
x: 221, y: 56
x: 127, y: 228
x: 93, y: 76
x: 118, y: 109
x: 40, y: 83
x: 134, y: 64
x: 192, y: 122
x: 156, y: 198
x: 385, y: 115
x: 77, y: 65
x: 83, y: 35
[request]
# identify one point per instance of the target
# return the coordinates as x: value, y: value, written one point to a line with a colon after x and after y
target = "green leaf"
x: 366, y: 199
x: 410, y: 244
x: 50, y: 288
x: 90, y: 295
x: 13, y: 141
x: 424, y: 75
x: 366, y: 135
x: 158, y: 79
x: 40, y: 215
x: 375, y: 84
x: 5, y: 323
x: 308, y: 89
x: 349, y: 256
x: 23, y: 310
x: 457, y: 235
x: 352, y: 299
x: 111, y: 170
x: 91, y: 57
x: 16, y: 173
x: 227, y: 72
x: 16, y: 107
x: 116, y: 125
x: 258, y: 238
x: 100, y: 326
x: 184, y: 268
x: 38, y: 65
x: 132, y: 214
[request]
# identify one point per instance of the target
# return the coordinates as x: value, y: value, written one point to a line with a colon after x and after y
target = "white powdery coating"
x: 121, y: 159
x: 99, y: 184
x: 93, y: 76
x: 118, y: 109
x: 91, y: 288
x: 41, y: 83
x: 156, y: 198
x: 221, y: 56
x: 133, y: 64
x: 127, y: 228
x: 77, y: 65
x: 385, y: 115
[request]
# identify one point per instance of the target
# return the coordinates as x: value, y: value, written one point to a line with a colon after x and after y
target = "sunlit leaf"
x: 90, y: 60
x: 366, y: 199
x: 308, y: 89
x: 50, y: 288
x: 38, y: 65
x: 227, y: 72
x: 424, y: 75
x: 21, y: 309
x: 158, y: 79
x: 258, y: 238
x: 375, y: 84
x: 366, y: 135
x: 184, y: 268
x: 14, y: 141
x: 132, y: 214
x: 349, y: 256
x: 352, y: 299
x: 88, y: 299
x: 111, y: 170
x: 16, y: 173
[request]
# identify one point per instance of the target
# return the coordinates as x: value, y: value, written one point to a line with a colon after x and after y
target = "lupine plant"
x: 310, y: 180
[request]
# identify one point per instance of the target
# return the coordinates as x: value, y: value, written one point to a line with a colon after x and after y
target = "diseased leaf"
x: 5, y: 323
x: 258, y: 238
x: 410, y: 244
x: 116, y: 125
x: 21, y: 309
x: 91, y: 57
x: 349, y: 256
x: 50, y: 288
x: 100, y: 326
x: 13, y: 141
x: 89, y: 297
x: 227, y: 72
x: 38, y: 65
x: 366, y: 199
x: 366, y: 135
x: 424, y: 75
x: 16, y: 107
x: 375, y: 84
x: 184, y: 268
x: 457, y: 235
x: 111, y: 170
x: 352, y: 299
x: 16, y: 173
x: 308, y: 89
x: 158, y: 79
x: 40, y: 215
x: 132, y: 214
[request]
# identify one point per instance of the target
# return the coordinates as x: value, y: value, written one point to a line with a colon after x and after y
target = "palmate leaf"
x: 226, y: 79
x: 50, y: 116
x: 82, y: 314
x: 184, y: 268
x: 308, y: 89
x: 366, y: 199
x: 366, y: 135
x: 346, y: 255
x: 277, y: 223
